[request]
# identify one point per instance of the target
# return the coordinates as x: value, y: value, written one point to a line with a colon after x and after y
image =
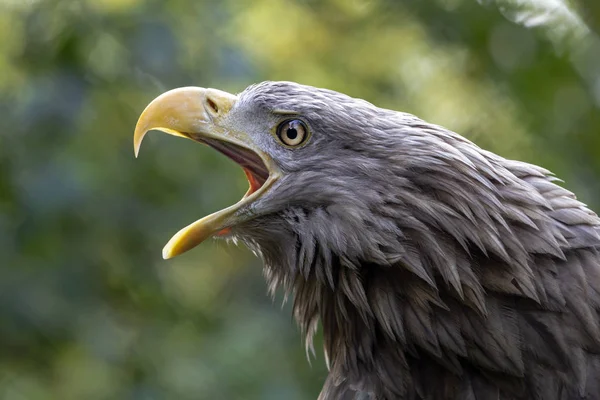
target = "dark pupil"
x: 292, y: 133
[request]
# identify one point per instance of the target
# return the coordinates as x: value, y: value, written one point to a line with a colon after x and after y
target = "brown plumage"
x: 437, y: 270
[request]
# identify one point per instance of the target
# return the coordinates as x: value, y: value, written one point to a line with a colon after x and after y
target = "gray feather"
x: 437, y: 270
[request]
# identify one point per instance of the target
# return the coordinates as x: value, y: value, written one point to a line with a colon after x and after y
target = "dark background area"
x: 88, y: 308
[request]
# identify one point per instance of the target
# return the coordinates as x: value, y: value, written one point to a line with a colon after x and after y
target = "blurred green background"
x: 88, y: 308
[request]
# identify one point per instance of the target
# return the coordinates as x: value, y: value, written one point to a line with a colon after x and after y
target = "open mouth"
x: 254, y: 167
x: 201, y: 115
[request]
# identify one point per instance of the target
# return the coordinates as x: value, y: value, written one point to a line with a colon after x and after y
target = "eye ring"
x: 292, y: 132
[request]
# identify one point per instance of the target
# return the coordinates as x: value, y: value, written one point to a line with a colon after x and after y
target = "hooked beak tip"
x: 136, y: 149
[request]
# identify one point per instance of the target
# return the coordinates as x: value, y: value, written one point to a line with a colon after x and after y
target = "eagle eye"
x: 292, y: 132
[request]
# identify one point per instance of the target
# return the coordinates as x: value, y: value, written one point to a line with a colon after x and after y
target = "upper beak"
x: 185, y: 111
x: 198, y: 114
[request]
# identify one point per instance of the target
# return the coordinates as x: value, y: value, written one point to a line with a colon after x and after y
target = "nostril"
x: 213, y: 106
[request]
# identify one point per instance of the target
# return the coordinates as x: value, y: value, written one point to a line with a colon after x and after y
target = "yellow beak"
x: 201, y: 115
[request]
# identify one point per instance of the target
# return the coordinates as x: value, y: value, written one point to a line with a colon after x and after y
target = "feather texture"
x: 438, y: 270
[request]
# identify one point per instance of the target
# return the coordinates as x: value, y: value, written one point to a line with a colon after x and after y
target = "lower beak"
x: 200, y: 114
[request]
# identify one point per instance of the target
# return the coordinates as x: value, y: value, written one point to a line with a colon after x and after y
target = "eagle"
x: 436, y: 269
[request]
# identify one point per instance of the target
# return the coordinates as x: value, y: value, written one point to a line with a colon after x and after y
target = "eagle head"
x: 423, y: 256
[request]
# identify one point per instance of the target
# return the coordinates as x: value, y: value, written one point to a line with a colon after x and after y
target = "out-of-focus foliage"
x: 88, y: 309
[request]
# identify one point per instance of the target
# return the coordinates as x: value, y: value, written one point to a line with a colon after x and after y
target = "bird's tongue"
x: 254, y: 182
